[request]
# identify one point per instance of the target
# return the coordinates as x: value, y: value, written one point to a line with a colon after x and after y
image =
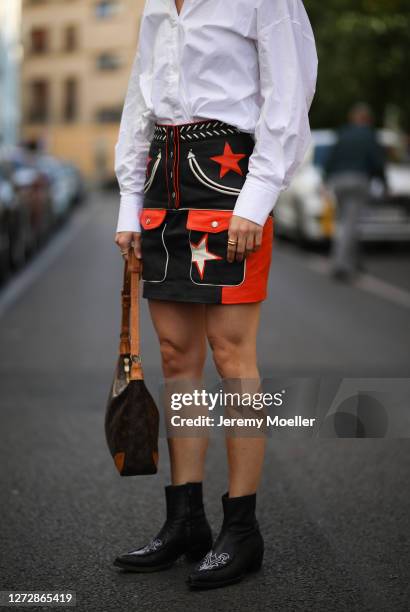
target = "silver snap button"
x: 173, y: 194
x: 171, y: 174
x: 214, y: 223
x: 172, y: 154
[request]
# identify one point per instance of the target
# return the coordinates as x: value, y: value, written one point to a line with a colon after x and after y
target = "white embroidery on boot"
x: 213, y: 560
x: 151, y: 547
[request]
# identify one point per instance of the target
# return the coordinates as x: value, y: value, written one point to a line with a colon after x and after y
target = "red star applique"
x: 200, y: 255
x: 229, y: 161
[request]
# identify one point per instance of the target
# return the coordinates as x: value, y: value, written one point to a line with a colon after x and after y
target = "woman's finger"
x: 258, y: 241
x: 250, y: 244
x: 241, y: 246
x: 232, y: 244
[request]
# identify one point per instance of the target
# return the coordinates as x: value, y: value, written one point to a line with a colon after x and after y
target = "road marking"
x: 42, y: 260
x: 381, y: 288
x: 365, y: 282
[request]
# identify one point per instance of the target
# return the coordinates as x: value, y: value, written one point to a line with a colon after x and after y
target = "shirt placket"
x: 173, y: 135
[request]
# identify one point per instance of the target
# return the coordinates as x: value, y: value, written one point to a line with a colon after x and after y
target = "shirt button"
x: 172, y: 154
x: 214, y: 223
x: 173, y: 194
x: 171, y: 174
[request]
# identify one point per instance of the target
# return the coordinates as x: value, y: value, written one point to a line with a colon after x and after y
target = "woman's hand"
x: 127, y: 240
x: 244, y: 237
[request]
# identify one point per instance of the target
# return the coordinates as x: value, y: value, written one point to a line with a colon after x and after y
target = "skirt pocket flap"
x: 152, y: 218
x: 212, y: 221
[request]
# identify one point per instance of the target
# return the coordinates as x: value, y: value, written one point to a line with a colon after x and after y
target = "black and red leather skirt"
x: 195, y: 172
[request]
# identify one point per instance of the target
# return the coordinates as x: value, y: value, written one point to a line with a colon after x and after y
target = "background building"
x: 10, y: 55
x: 77, y: 60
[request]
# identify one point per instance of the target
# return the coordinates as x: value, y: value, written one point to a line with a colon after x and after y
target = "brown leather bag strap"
x: 125, y: 347
x: 135, y: 268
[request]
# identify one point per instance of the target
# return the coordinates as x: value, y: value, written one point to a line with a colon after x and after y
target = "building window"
x: 70, y: 109
x: 39, y: 101
x: 109, y: 115
x: 108, y: 61
x: 39, y: 41
x: 70, y: 39
x: 106, y: 8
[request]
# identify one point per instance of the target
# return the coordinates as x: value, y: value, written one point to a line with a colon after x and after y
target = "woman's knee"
x: 229, y: 358
x: 179, y: 360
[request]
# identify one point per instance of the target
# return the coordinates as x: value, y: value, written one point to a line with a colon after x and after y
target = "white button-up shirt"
x: 249, y: 63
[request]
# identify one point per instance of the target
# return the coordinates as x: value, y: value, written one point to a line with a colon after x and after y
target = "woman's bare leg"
x: 232, y: 331
x: 186, y: 531
x: 180, y: 328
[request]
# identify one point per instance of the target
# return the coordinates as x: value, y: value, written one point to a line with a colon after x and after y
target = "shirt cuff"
x: 255, y: 202
x: 129, y: 213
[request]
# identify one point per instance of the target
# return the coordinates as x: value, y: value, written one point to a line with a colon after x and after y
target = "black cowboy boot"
x: 185, y: 531
x: 237, y: 550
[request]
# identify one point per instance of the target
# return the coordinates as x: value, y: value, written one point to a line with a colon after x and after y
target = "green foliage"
x: 364, y: 55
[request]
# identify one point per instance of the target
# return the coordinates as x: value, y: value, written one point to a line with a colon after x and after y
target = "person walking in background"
x: 354, y: 160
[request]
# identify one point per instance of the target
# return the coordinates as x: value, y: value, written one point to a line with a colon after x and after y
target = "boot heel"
x: 256, y: 564
x: 196, y: 554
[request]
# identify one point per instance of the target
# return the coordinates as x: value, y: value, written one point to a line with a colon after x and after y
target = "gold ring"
x: 233, y: 242
x: 124, y: 252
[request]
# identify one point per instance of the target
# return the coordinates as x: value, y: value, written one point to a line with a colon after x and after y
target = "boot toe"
x: 147, y: 563
x: 129, y: 560
x: 212, y: 571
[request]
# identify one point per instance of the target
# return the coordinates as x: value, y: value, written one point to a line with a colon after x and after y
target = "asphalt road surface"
x: 335, y: 513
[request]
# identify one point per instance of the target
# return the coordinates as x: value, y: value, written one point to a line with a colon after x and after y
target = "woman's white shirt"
x: 250, y: 63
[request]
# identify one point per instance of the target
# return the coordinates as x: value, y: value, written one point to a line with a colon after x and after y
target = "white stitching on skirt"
x: 205, y: 180
x: 197, y: 130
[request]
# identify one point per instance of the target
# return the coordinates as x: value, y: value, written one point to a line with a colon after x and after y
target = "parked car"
x: 16, y: 231
x: 387, y: 216
x: 36, y: 192
x: 33, y: 195
x: 306, y: 211
x: 6, y: 198
x: 79, y: 192
x: 66, y: 185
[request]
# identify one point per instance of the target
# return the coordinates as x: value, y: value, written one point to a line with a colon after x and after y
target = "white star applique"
x: 200, y: 255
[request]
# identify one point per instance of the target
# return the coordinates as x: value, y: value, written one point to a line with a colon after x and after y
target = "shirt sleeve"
x: 131, y: 151
x: 288, y: 71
